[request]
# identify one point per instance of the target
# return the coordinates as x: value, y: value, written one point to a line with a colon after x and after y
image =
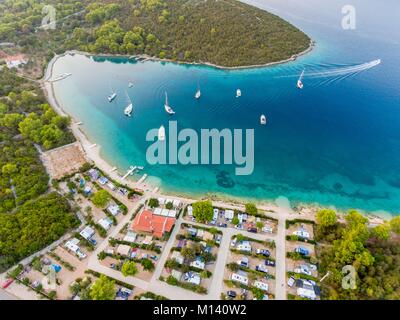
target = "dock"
x: 129, y: 172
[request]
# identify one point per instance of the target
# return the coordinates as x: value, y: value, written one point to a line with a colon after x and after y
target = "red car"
x: 7, y: 283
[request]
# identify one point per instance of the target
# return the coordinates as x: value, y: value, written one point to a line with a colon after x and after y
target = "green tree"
x: 169, y: 205
x: 251, y: 209
x: 153, y: 203
x: 395, y: 224
x: 103, y: 289
x: 382, y: 231
x: 259, y: 225
x: 188, y: 253
x: 147, y: 264
x: 326, y: 218
x: 235, y: 220
x: 203, y: 211
x: 129, y: 268
x: 101, y: 198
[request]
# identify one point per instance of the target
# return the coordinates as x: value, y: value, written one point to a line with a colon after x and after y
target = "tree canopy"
x: 129, y: 268
x: 101, y: 198
x: 103, y: 289
x: 203, y: 211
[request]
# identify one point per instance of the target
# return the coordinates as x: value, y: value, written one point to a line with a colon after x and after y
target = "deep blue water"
x: 336, y: 142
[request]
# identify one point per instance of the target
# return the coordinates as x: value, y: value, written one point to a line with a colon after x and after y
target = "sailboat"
x: 263, y: 120
x: 300, y: 84
x: 130, y: 84
x: 129, y: 108
x: 168, y: 109
x: 112, y: 96
x: 161, y: 134
x: 238, y: 93
x: 198, y: 93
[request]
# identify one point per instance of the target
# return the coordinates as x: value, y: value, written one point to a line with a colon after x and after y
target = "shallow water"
x: 335, y: 143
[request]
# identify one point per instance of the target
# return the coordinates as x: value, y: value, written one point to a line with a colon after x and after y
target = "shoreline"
x: 92, y: 153
x: 294, y: 57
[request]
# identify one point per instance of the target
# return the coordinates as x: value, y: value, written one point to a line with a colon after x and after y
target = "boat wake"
x: 343, y: 71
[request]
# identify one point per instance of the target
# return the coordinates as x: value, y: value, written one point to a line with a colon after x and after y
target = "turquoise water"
x: 335, y: 143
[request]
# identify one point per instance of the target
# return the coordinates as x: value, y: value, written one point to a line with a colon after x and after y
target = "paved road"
x: 280, y: 276
x: 4, y: 295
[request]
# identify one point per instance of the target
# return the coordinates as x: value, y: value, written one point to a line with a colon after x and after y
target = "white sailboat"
x: 238, y: 93
x: 112, y: 96
x: 198, y: 93
x: 168, y: 109
x: 300, y: 84
x: 129, y: 108
x: 161, y: 134
x: 130, y: 84
x: 263, y: 120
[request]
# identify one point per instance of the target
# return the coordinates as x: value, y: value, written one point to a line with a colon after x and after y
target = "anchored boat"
x: 168, y: 109
x: 129, y: 108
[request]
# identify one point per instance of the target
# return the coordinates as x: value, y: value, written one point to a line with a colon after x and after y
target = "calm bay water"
x: 336, y: 142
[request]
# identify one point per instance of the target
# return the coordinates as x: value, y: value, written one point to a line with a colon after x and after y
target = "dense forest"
x: 374, y: 252
x: 34, y: 225
x: 29, y: 217
x: 226, y: 33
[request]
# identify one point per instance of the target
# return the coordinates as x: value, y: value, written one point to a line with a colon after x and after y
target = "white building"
x: 72, y: 246
x: 190, y: 211
x: 302, y: 234
x: 244, y: 246
x: 240, y: 278
x: 306, y: 293
x: 105, y: 223
x: 130, y: 237
x: 176, y: 255
x: 198, y: 263
x: 261, y: 285
x: 87, y: 233
x: 114, y: 209
x: 229, y: 214
x: 16, y: 61
x: 111, y: 186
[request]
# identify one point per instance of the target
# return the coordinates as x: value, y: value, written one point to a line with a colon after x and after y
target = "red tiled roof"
x: 146, y: 221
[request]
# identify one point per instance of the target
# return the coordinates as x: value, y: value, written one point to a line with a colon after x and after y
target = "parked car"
x: 252, y: 230
x: 92, y: 241
x: 223, y: 225
x: 303, y: 251
x: 264, y: 252
x: 244, y: 262
x: 231, y: 294
x: 233, y: 242
x: 155, y: 258
x: 262, y: 268
x: 270, y: 263
x: 291, y: 282
x: 7, y: 283
x: 303, y: 269
x: 123, y: 294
